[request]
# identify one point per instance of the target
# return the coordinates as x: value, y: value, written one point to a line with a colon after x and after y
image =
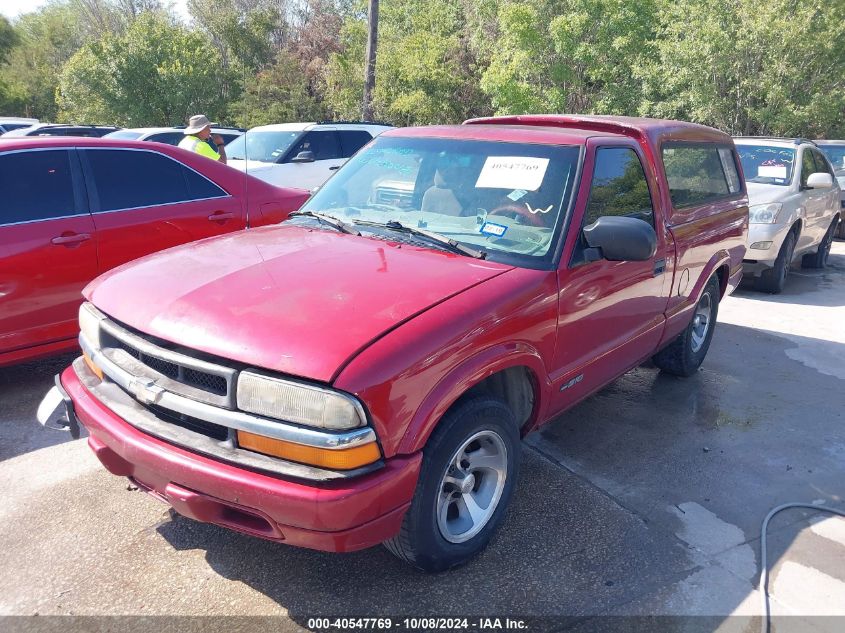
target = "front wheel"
x: 819, y: 258
x: 773, y: 280
x: 684, y: 355
x: 466, y: 480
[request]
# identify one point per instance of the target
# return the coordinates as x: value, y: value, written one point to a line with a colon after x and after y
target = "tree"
x: 749, y: 68
x: 277, y: 95
x: 156, y: 73
x: 9, y: 95
x: 582, y: 60
x: 427, y: 71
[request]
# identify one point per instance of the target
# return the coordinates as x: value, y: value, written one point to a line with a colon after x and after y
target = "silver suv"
x: 794, y: 207
x: 835, y: 152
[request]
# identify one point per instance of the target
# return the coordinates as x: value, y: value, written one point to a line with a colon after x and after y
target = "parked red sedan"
x: 73, y: 208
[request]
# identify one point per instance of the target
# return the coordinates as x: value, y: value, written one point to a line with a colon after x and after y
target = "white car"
x: 835, y: 152
x: 300, y: 155
x: 9, y: 123
x: 170, y: 135
x: 794, y: 207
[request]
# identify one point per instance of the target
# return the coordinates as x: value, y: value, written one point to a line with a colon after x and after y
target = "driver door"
x: 611, y: 313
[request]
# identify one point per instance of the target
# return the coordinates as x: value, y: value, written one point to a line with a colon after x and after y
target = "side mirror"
x: 620, y: 238
x: 819, y: 180
x: 304, y: 157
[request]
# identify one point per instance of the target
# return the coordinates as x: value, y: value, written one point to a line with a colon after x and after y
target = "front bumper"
x: 339, y: 516
x: 757, y: 260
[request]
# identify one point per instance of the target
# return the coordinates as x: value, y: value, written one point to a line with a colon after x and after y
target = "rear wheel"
x: 819, y: 258
x: 773, y: 280
x: 684, y: 355
x: 466, y: 481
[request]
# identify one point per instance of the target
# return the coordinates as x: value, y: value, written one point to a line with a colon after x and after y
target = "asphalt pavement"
x: 646, y: 499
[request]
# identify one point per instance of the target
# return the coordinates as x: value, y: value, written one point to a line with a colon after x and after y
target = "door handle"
x: 217, y: 217
x: 334, y: 167
x: 659, y: 267
x: 71, y: 239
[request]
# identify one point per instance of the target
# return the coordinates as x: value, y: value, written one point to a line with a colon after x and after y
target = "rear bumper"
x: 337, y: 516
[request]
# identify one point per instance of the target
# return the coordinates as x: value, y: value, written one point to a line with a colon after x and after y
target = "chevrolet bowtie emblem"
x: 145, y: 390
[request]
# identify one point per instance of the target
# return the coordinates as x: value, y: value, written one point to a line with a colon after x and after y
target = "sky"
x: 13, y: 8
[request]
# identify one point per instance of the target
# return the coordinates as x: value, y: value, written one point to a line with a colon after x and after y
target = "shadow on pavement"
x: 805, y: 286
x: 21, y: 389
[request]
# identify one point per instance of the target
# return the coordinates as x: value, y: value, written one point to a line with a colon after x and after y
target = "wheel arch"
x: 514, y: 373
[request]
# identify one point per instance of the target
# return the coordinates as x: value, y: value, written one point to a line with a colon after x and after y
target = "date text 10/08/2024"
x: 416, y: 624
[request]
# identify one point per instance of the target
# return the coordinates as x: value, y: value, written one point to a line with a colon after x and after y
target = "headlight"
x: 89, y: 324
x: 764, y: 213
x: 298, y: 402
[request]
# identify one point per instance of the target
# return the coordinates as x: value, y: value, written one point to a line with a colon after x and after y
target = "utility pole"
x: 370, y: 68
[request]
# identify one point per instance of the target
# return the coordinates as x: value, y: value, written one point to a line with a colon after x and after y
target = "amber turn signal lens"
x: 94, y: 369
x: 338, y: 459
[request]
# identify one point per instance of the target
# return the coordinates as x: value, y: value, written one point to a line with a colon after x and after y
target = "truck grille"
x: 192, y: 377
x: 174, y: 371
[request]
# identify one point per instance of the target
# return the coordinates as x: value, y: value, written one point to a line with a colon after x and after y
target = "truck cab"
x: 364, y: 372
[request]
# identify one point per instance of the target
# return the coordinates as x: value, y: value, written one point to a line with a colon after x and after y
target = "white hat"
x: 197, y: 123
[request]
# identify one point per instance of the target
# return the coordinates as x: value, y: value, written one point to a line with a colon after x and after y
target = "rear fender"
x: 681, y: 313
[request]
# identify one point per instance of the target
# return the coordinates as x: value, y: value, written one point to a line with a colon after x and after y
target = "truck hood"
x: 286, y: 298
x: 763, y: 194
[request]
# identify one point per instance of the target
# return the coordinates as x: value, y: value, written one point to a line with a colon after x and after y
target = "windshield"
x: 124, y: 135
x: 266, y: 147
x: 767, y: 164
x: 835, y: 154
x: 504, y: 199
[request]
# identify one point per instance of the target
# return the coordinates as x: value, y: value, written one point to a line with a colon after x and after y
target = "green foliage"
x: 47, y: 39
x: 425, y: 71
x: 581, y: 60
x: 8, y: 39
x: 744, y: 66
x: 243, y: 32
x: 278, y: 94
x: 156, y: 73
x: 749, y: 67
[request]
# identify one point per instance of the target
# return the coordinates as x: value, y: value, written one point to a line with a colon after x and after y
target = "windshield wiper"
x: 452, y: 245
x: 340, y: 225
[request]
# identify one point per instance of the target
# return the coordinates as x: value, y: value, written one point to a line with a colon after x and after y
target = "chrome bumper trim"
x: 136, y: 415
x: 146, y: 391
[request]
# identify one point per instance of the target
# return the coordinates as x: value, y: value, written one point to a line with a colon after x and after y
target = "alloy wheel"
x: 471, y: 486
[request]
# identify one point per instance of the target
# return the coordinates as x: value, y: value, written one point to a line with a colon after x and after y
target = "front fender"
x: 468, y: 374
x: 408, y: 378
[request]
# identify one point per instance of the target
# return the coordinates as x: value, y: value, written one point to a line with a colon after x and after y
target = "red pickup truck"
x: 363, y: 372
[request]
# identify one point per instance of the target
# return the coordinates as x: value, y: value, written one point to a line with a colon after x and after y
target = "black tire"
x: 684, y: 355
x: 819, y: 258
x: 840, y: 233
x: 773, y: 280
x: 420, y: 541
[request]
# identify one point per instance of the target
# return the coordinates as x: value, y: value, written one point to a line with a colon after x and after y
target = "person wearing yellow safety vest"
x: 196, y: 139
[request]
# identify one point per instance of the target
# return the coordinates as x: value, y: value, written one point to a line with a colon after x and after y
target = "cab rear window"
x: 700, y: 172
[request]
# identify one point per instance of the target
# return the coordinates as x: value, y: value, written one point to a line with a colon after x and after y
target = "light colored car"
x: 9, y: 123
x: 170, y: 135
x: 61, y: 129
x: 835, y: 152
x: 794, y: 207
x: 301, y: 155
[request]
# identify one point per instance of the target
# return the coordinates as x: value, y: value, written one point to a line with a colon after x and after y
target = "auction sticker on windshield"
x: 512, y: 172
